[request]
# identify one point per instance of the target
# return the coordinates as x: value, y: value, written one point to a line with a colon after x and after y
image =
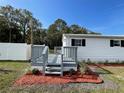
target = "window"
x: 117, y: 43
x: 122, y: 43
x: 78, y: 42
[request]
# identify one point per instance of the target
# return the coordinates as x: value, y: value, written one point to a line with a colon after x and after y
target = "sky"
x: 103, y: 16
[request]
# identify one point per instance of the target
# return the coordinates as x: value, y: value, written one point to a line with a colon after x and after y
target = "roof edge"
x: 94, y: 35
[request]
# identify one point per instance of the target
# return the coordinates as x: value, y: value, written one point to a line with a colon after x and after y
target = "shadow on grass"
x: 101, y: 70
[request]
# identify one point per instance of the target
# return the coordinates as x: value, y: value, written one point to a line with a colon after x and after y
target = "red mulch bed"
x: 89, y: 77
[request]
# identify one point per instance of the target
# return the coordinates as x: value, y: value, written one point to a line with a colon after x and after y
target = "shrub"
x: 106, y: 62
x: 89, y: 61
x: 35, y: 71
x: 71, y: 72
x: 88, y: 71
x: 117, y: 62
x: 82, y: 67
x: 122, y: 62
x: 84, y: 61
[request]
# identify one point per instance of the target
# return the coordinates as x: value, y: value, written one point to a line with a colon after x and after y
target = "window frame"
x: 117, y: 43
x: 78, y: 42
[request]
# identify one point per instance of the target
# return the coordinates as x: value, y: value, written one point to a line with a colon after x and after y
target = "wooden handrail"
x: 45, y: 58
x: 45, y: 50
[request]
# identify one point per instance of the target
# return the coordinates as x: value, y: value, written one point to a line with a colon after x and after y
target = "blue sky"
x: 105, y: 16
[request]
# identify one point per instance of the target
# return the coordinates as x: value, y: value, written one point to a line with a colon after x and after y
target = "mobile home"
x: 96, y: 47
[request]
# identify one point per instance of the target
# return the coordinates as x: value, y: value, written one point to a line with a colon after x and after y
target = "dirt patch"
x: 40, y: 79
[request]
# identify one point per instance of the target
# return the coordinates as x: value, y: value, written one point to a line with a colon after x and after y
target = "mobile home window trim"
x: 116, y: 43
x: 78, y: 42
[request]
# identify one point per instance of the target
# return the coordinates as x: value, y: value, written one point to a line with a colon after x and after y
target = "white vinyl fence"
x: 15, y: 51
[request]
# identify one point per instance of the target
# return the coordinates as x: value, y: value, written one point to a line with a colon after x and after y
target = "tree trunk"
x: 24, y: 32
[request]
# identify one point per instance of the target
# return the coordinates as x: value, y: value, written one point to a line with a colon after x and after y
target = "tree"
x: 38, y: 36
x: 18, y: 20
x: 61, y: 25
x: 76, y: 29
x: 55, y: 31
x: 24, y: 17
x: 5, y: 32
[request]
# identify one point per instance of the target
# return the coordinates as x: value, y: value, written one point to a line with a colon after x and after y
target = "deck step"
x: 53, y: 68
x: 53, y: 65
x: 52, y: 72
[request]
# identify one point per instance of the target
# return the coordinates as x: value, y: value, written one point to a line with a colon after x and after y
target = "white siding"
x: 97, y: 49
x: 14, y: 51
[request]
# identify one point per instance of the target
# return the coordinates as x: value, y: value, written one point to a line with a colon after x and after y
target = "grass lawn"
x: 117, y: 76
x: 10, y: 71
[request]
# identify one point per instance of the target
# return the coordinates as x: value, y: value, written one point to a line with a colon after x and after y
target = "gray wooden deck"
x: 55, y: 59
x: 54, y: 63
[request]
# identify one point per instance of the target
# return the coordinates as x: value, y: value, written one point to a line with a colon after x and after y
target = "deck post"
x: 76, y: 54
x: 61, y: 65
x: 44, y: 64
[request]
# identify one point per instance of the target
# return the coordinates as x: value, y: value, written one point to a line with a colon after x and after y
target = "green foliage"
x: 106, y: 62
x: 76, y: 29
x: 89, y: 61
x: 71, y: 72
x: 8, y: 29
x: 35, y: 71
x: 82, y: 67
x: 14, y: 24
x: 59, y: 27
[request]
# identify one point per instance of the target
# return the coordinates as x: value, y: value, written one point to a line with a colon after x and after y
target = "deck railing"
x: 69, y: 53
x: 36, y: 53
x: 40, y: 55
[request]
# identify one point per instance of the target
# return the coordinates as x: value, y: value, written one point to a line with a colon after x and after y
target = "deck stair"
x: 53, y: 63
x: 53, y: 66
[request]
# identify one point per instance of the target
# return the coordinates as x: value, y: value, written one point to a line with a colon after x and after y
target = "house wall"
x: 97, y: 49
x: 14, y: 51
